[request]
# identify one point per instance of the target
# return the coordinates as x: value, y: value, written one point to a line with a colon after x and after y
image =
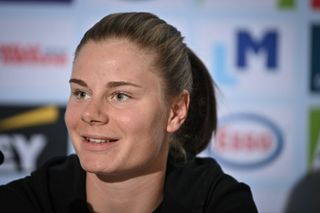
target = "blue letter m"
x: 269, y: 44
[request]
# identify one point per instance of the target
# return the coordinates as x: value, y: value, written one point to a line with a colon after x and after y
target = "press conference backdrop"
x: 264, y: 56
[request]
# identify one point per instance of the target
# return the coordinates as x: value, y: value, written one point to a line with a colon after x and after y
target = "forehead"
x: 115, y: 59
x: 116, y: 51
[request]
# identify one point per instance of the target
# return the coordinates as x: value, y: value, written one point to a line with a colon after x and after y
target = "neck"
x: 139, y: 194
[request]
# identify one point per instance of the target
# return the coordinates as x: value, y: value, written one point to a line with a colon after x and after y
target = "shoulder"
x: 34, y: 193
x: 304, y: 196
x: 200, y: 171
x: 202, y: 185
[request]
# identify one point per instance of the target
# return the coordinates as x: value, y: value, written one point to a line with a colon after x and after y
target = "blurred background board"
x: 263, y: 55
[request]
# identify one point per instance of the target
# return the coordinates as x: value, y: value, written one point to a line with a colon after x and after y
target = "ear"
x: 178, y: 111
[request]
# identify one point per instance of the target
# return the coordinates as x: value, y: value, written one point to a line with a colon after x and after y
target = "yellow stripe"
x: 40, y: 116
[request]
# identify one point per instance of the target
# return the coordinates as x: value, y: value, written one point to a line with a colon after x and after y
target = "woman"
x: 142, y: 106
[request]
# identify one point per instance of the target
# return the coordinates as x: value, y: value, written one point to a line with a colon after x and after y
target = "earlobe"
x: 178, y: 111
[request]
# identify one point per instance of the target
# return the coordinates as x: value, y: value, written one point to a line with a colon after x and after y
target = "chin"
x: 96, y: 168
x: 94, y: 163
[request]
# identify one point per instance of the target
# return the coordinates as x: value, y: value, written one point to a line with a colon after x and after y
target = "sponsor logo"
x: 34, y: 54
x: 314, y: 138
x: 268, y: 44
x: 281, y: 4
x: 247, y: 141
x: 29, y: 136
x: 315, y: 4
x: 247, y: 47
x: 286, y: 4
x: 315, y: 59
x: 138, y: 0
x: 58, y: 1
x: 251, y: 58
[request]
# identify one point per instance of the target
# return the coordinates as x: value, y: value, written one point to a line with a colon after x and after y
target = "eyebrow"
x: 78, y: 81
x: 111, y: 84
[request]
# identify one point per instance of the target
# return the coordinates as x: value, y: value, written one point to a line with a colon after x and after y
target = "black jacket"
x: 59, y: 186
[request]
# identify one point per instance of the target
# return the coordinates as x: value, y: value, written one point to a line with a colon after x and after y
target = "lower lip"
x: 97, y: 147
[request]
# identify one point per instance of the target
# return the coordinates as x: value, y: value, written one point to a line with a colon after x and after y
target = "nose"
x: 95, y: 113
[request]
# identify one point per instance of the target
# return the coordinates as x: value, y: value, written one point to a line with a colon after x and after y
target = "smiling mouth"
x: 99, y: 140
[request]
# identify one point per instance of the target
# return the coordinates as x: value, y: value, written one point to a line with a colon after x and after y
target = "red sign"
x: 315, y: 4
x: 16, y: 54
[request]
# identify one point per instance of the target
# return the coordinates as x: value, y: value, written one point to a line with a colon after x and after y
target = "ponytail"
x: 196, y: 132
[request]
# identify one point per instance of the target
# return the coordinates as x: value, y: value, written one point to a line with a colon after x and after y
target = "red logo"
x: 247, y: 141
x: 34, y: 54
x: 315, y: 4
x: 233, y: 140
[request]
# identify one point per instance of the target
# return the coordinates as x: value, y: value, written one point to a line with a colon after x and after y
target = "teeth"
x: 99, y: 140
x: 94, y: 140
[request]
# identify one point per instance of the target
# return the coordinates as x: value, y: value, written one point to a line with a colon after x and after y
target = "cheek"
x: 147, y: 124
x: 71, y: 116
